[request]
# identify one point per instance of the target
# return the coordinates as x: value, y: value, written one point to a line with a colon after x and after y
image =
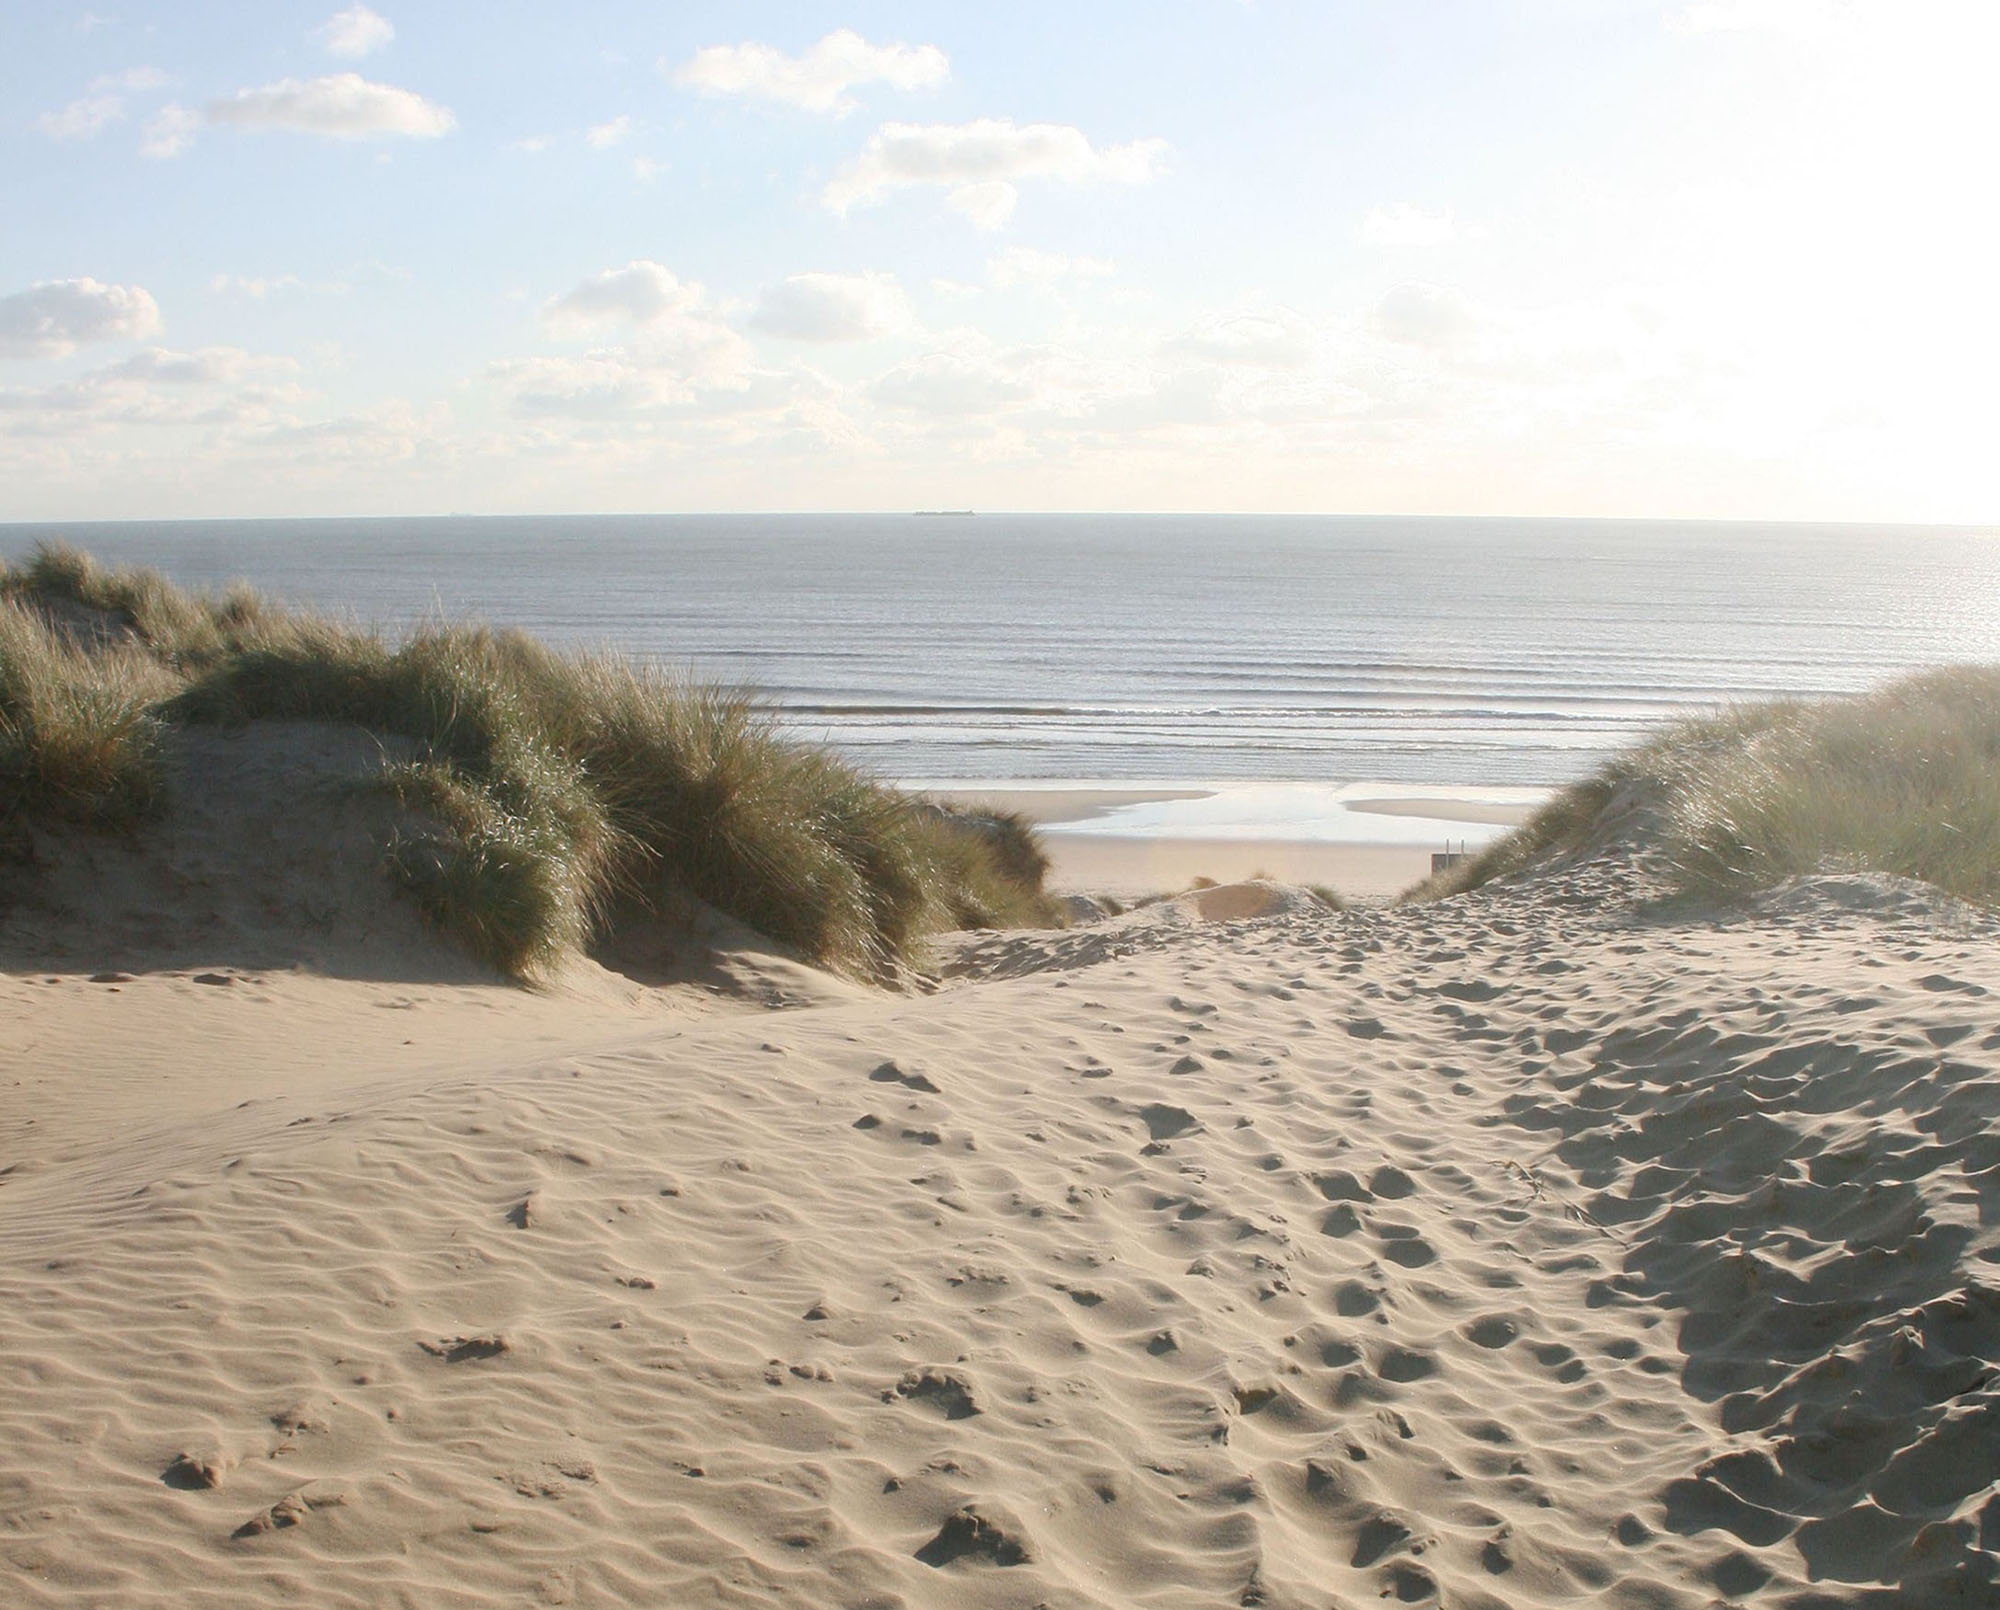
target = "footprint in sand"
x: 1164, y: 1122
x: 973, y: 1537
x: 911, y: 1078
x: 189, y: 1472
x: 1403, y: 1244
x: 941, y: 1389
x: 1340, y: 1222
x: 1942, y: 983
x: 1380, y: 1535
x: 1391, y: 1183
x: 1403, y: 1365
x: 466, y: 1349
x: 294, y: 1509
x: 1351, y: 1300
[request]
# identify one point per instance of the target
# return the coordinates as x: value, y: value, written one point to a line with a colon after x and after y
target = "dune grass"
x: 1904, y: 780
x: 566, y: 787
x: 79, y: 739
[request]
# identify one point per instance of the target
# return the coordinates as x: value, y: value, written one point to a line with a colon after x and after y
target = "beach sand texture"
x: 1527, y: 1249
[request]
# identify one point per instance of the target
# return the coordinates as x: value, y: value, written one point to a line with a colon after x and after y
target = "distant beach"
x: 1133, y: 841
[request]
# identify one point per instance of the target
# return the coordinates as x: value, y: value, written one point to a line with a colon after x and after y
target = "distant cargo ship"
x: 941, y: 511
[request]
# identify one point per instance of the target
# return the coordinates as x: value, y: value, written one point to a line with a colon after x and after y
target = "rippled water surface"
x: 1158, y: 647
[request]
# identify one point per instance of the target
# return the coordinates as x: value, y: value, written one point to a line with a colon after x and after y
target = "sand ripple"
x: 1521, y: 1251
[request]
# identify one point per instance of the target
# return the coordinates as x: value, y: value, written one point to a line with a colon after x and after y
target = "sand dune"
x: 1522, y: 1250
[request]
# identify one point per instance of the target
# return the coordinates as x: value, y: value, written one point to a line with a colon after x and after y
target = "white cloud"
x: 833, y: 307
x: 91, y: 114
x: 207, y: 366
x: 619, y: 382
x: 1418, y: 314
x: 169, y: 132
x: 354, y: 33
x: 82, y: 118
x: 647, y: 169
x: 639, y: 294
x: 391, y: 432
x: 152, y: 388
x: 258, y: 286
x: 1280, y: 339
x: 602, y: 136
x: 949, y: 383
x: 683, y: 342
x: 817, y: 81
x: 1406, y: 225
x: 344, y: 106
x: 52, y: 319
x: 1166, y: 403
x: 989, y: 204
x: 1024, y: 265
x: 979, y: 162
x: 600, y: 385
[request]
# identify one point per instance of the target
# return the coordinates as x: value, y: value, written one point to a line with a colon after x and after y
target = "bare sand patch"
x: 1128, y: 866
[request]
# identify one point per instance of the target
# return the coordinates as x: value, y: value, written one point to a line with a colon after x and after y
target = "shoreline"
x: 1367, y: 841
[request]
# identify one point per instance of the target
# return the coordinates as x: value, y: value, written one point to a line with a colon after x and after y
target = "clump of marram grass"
x: 179, y: 627
x: 79, y: 741
x: 1904, y: 781
x: 567, y: 787
x: 997, y: 865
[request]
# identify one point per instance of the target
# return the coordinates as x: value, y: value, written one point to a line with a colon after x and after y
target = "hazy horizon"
x: 1618, y: 259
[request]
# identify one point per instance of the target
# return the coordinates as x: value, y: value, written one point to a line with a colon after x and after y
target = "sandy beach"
x: 1523, y: 1249
x: 1306, y: 837
x: 1128, y: 868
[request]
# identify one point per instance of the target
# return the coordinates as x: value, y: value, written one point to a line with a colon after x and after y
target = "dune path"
x: 1526, y: 1249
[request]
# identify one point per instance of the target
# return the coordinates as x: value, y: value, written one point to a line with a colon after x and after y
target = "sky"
x: 1649, y: 258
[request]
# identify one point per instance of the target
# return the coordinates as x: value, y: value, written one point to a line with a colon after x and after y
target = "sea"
x: 989, y: 648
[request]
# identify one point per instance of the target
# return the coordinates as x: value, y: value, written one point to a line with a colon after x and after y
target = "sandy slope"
x: 249, y: 944
x: 1523, y: 1250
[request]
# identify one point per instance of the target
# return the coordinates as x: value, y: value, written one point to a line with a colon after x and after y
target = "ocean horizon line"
x: 1788, y: 522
